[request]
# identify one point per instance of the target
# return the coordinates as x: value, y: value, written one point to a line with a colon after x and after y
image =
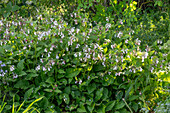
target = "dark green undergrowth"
x: 81, y: 61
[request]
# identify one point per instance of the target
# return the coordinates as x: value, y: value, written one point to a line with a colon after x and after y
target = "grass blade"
x: 28, y: 108
x: 2, y: 107
x: 13, y: 105
x: 20, y: 106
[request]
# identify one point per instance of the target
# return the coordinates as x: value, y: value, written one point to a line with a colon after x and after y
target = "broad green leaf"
x: 1, y: 50
x: 69, y: 80
x: 98, y: 67
x: 91, y: 88
x: 44, y: 103
x: 119, y: 105
x: 70, y: 73
x: 117, y: 112
x: 57, y: 91
x: 23, y: 84
x: 83, y: 99
x: 82, y: 109
x: 48, y: 90
x: 110, y: 105
x: 127, y: 92
x: 28, y: 93
x: 67, y: 90
x: 7, y: 47
x: 91, y: 107
x: 126, y: 36
x: 89, y: 101
x: 99, y: 94
x: 105, y: 94
x: 38, y: 48
x: 9, y: 7
x: 63, y: 81
x: 22, y: 73
x: 50, y: 80
x: 133, y: 97
x: 60, y: 75
x: 15, y: 8
x: 135, y: 106
x: 30, y: 76
x: 31, y: 71
x: 119, y: 95
x: 101, y: 109
x: 168, y: 57
x: 66, y: 98
x: 6, y: 14
x: 73, y: 106
x: 61, y: 71
x: 124, y: 111
x: 20, y: 65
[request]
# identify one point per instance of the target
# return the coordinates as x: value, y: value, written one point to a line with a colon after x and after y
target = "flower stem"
x: 127, y: 105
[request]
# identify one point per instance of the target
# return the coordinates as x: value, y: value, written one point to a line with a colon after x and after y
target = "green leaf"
x: 89, y: 101
x: 69, y: 80
x: 73, y: 106
x: 105, y: 94
x: 101, y: 109
x: 160, y: 3
x: 22, y: 73
x: 60, y: 75
x: 57, y: 91
x: 91, y: 88
x: 99, y: 94
x: 6, y: 14
x: 48, y: 90
x: 117, y: 112
x: 81, y: 109
x: 44, y: 103
x: 133, y: 97
x: 67, y: 90
x: 135, y: 106
x: 91, y: 107
x: 7, y: 47
x: 31, y: 71
x: 20, y: 65
x: 66, y: 98
x: 30, y: 76
x: 15, y: 8
x: 61, y: 71
x: 63, y: 81
x: 1, y: 50
x: 8, y: 7
x: 23, y: 84
x: 28, y: 93
x: 110, y: 105
x: 72, y: 72
x: 120, y: 105
x: 38, y: 48
x: 127, y: 93
x: 119, y: 95
x: 50, y: 80
x: 98, y: 67
x: 168, y: 57
x: 83, y: 99
x: 126, y: 36
x: 124, y: 111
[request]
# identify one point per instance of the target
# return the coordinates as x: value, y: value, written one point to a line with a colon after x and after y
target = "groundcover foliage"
x: 82, y: 65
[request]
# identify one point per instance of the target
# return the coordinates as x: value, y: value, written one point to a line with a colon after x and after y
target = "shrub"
x: 81, y: 68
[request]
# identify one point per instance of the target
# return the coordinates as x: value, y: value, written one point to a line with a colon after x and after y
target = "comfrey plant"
x: 82, y: 68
